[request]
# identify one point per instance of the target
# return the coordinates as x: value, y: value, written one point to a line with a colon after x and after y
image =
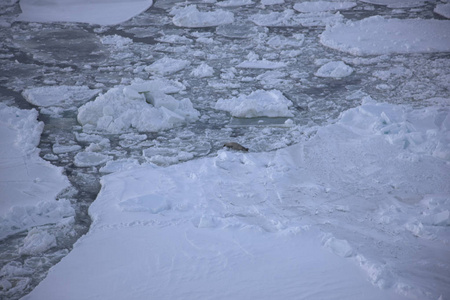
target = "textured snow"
x: 319, y: 6
x: 28, y: 184
x: 248, y: 225
x: 167, y: 65
x: 190, y: 16
x: 378, y: 35
x: 259, y: 103
x: 102, y: 12
x: 335, y: 69
x: 144, y: 106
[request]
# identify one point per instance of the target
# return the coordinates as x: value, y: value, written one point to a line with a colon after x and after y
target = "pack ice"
x: 357, y: 210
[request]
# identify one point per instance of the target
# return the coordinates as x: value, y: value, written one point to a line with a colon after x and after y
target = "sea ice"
x: 319, y: 6
x: 378, y: 35
x: 443, y: 9
x: 36, y: 242
x: 232, y: 3
x: 334, y: 69
x: 90, y: 159
x: 270, y: 216
x: 203, y: 71
x: 190, y: 16
x: 397, y: 3
x: 28, y: 184
x: 102, y: 12
x: 259, y: 103
x: 60, y: 96
x: 167, y: 65
x: 144, y: 106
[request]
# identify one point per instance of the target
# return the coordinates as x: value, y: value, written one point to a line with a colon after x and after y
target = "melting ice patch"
x: 144, y: 106
x: 259, y: 103
x: 377, y: 35
x: 190, y: 16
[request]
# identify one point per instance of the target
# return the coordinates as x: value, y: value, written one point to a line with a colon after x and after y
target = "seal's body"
x: 235, y: 146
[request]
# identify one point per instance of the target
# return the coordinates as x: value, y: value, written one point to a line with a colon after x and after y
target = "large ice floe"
x: 102, y: 12
x: 320, y: 6
x: 146, y: 106
x: 378, y: 35
x: 358, y: 210
x: 29, y: 185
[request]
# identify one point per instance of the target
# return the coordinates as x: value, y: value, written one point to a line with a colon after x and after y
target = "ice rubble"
x: 335, y: 69
x: 145, y: 106
x: 102, y: 12
x: 259, y: 103
x: 378, y: 35
x: 247, y: 225
x: 28, y: 184
x: 190, y: 16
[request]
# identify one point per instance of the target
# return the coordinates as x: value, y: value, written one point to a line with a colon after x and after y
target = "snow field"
x: 250, y: 225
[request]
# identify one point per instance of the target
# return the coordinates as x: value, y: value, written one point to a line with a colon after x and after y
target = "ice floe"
x: 443, y: 9
x: 190, y: 16
x: 102, y: 12
x: 335, y: 69
x: 270, y: 216
x: 144, y: 106
x: 259, y: 103
x: 397, y: 3
x: 29, y: 185
x: 378, y: 35
x: 319, y: 6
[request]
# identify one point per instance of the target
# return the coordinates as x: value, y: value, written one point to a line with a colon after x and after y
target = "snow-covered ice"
x: 248, y: 225
x: 335, y: 69
x: 259, y: 103
x: 102, y: 12
x: 319, y: 6
x: 443, y: 9
x: 144, y: 106
x: 379, y: 35
x: 28, y: 184
x: 397, y: 3
x: 190, y: 16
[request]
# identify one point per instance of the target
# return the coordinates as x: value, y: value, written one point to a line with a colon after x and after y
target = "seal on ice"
x: 235, y: 146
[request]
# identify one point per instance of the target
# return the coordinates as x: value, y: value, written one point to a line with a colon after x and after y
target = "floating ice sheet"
x: 319, y: 6
x: 378, y: 35
x: 190, y: 16
x: 102, y: 12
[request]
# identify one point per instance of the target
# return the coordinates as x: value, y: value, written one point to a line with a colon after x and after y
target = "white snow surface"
x: 259, y: 103
x: 101, y: 12
x: 319, y: 6
x: 443, y: 9
x: 358, y: 210
x: 191, y: 17
x: 28, y: 184
x: 378, y: 35
x: 335, y: 69
x: 145, y: 106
